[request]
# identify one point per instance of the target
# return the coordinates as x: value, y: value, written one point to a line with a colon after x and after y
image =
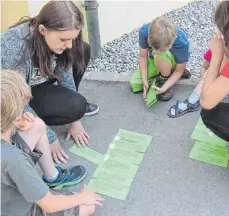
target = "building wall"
x: 122, y: 16
x: 115, y: 17
x: 13, y: 10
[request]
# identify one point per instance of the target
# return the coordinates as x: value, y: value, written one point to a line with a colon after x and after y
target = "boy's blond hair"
x: 15, y: 93
x: 162, y: 33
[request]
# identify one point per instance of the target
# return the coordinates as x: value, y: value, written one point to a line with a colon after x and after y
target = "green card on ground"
x: 210, y: 153
x: 128, y: 155
x: 133, y: 137
x: 112, y: 168
x: 126, y: 145
x: 201, y: 126
x: 208, y: 137
x: 118, y: 191
x: 87, y: 153
x: 151, y: 97
x: 115, y: 174
x: 113, y: 177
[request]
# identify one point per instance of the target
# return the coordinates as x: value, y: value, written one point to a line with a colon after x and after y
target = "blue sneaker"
x: 67, y: 177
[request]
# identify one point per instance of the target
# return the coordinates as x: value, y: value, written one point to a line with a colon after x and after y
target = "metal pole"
x: 91, y: 7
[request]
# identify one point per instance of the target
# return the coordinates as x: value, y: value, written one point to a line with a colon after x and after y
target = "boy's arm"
x: 215, y: 87
x: 33, y: 189
x: 143, y: 66
x: 143, y: 57
x: 54, y: 203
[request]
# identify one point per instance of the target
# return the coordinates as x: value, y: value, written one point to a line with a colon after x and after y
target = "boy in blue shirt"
x: 164, y: 50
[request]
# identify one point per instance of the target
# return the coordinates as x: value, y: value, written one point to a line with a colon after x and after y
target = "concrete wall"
x: 115, y: 17
x: 121, y: 16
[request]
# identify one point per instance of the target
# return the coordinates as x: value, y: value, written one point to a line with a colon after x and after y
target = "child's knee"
x: 86, y: 210
x: 165, y: 67
x: 39, y: 125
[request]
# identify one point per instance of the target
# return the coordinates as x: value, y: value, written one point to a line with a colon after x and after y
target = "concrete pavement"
x: 168, y: 182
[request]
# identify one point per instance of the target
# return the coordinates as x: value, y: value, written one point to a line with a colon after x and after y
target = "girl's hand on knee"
x: 77, y: 132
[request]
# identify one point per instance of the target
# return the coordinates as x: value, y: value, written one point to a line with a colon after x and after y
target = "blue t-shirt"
x: 180, y: 47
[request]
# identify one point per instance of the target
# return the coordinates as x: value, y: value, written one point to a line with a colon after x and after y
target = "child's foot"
x: 183, y: 107
x: 186, y: 74
x: 166, y: 96
x: 66, y: 177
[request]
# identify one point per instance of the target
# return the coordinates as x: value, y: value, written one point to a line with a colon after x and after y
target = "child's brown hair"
x: 15, y: 93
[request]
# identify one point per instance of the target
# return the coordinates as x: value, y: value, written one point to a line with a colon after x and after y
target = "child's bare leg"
x: 36, y: 138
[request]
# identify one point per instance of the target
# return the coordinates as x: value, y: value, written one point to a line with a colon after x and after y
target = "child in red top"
x: 215, y: 90
x: 192, y: 103
x: 225, y: 71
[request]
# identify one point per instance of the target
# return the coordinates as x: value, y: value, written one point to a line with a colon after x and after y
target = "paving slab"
x: 168, y: 182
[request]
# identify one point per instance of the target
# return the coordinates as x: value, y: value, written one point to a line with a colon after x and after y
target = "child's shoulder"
x: 181, y: 33
x: 11, y: 156
x: 144, y: 29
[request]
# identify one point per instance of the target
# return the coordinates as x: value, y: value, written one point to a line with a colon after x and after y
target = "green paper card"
x: 208, y: 137
x: 210, y: 154
x: 126, y: 145
x: 151, y: 97
x: 127, y: 155
x: 112, y: 177
x: 116, y: 166
x: 200, y: 126
x: 118, y: 191
x: 87, y: 153
x: 133, y: 137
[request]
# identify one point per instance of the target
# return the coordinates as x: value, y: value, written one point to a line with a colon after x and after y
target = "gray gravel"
x: 196, y: 18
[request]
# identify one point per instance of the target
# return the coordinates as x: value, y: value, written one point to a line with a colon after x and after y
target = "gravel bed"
x: 196, y: 18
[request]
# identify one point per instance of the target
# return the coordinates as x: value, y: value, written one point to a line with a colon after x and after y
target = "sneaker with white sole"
x: 66, y: 177
x: 91, y: 109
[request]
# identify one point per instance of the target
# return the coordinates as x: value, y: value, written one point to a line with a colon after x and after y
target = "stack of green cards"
x: 208, y: 147
x: 210, y: 153
x: 115, y: 174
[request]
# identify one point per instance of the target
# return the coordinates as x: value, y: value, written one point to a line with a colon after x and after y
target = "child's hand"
x: 217, y: 46
x: 145, y: 89
x: 90, y: 197
x: 25, y: 121
x: 159, y: 90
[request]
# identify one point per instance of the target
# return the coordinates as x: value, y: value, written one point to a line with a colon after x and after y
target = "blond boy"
x: 23, y: 191
x: 164, y: 50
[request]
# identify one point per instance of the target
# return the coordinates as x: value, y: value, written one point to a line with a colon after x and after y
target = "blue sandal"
x: 178, y: 112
